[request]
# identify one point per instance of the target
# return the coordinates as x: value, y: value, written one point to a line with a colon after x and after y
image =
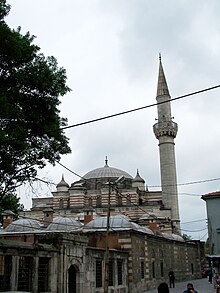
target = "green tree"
x: 187, y: 237
x: 11, y: 202
x: 31, y: 131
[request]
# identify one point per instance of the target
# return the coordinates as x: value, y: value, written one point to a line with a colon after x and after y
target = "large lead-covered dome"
x: 106, y: 172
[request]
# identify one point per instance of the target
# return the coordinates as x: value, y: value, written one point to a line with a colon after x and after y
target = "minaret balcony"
x: 165, y: 128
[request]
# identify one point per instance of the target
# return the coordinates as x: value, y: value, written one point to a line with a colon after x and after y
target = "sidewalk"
x: 200, y: 285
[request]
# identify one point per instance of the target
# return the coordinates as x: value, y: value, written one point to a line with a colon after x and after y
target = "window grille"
x: 111, y: 272
x: 5, y: 272
x: 43, y: 271
x: 25, y: 273
x: 142, y: 269
x: 119, y: 265
x: 98, y: 269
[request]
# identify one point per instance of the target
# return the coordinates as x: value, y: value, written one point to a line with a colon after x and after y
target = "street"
x: 200, y: 285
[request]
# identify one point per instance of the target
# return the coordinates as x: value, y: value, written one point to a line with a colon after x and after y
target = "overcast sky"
x: 110, y: 52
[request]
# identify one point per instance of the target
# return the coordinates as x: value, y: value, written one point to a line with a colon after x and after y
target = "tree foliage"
x: 11, y: 202
x: 187, y: 237
x: 30, y: 126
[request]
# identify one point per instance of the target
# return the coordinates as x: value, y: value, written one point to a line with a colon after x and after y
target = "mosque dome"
x: 106, y: 172
x: 64, y: 224
x: 23, y: 225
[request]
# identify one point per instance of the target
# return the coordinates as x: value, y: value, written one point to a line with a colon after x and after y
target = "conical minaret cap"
x: 162, y: 88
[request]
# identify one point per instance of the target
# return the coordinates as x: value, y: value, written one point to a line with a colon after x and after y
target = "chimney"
x: 88, y: 214
x: 7, y: 218
x: 48, y: 216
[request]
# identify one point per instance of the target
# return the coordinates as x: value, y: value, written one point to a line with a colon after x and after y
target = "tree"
x: 31, y: 130
x: 187, y: 237
x: 11, y: 202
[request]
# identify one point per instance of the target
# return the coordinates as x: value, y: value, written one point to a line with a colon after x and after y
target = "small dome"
x: 173, y: 236
x: 64, y: 224
x: 63, y: 183
x: 106, y: 172
x: 138, y: 178
x: 117, y: 223
x: 23, y: 225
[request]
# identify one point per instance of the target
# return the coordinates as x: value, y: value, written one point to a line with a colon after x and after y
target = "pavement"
x: 200, y: 285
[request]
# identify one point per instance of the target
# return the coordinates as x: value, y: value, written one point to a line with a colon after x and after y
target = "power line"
x: 194, y: 221
x: 140, y: 108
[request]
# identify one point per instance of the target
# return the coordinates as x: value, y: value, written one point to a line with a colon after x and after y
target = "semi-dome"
x: 106, y: 172
x: 23, y: 225
x: 64, y: 224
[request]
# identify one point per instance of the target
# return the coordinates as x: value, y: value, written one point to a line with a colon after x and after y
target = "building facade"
x: 67, y: 257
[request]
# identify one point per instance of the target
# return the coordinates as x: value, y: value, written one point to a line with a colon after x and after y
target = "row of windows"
x: 98, y: 202
x: 115, y: 272
x: 25, y: 273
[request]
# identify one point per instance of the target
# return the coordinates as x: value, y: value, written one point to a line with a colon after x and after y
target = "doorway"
x: 72, y: 279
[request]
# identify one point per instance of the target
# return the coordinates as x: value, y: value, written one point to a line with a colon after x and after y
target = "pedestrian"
x: 210, y: 275
x: 163, y: 288
x: 171, y: 278
x: 190, y: 289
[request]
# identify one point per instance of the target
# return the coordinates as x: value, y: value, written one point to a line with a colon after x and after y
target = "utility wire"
x: 140, y: 108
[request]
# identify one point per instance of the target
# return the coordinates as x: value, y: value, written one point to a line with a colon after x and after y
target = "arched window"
x: 119, y: 200
x: 128, y: 200
x: 98, y: 201
x: 90, y: 201
x: 61, y: 203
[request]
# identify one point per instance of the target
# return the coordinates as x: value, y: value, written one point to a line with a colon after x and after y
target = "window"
x: 128, y: 201
x: 119, y: 266
x: 142, y: 269
x: 98, y: 201
x: 5, y: 272
x: 192, y: 268
x: 61, y: 203
x: 98, y: 271
x: 161, y: 269
x: 43, y: 274
x: 25, y: 273
x: 90, y: 201
x: 2, y: 265
x: 153, y: 269
x: 111, y: 272
x: 119, y: 199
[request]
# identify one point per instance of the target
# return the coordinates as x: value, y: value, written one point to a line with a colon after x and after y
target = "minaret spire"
x: 162, y: 88
x: 165, y: 131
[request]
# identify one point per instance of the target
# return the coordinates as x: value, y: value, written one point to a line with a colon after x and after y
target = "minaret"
x: 165, y: 131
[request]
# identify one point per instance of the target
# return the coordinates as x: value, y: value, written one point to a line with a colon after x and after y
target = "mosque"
x: 108, y: 188
x: 105, y: 232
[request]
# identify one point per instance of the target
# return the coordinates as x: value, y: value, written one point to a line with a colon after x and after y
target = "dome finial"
x: 159, y: 56
x: 106, y: 161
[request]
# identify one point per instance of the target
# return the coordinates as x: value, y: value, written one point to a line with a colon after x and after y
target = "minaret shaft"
x: 165, y: 131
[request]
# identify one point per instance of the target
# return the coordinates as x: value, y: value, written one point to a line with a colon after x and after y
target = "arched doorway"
x: 73, y: 279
